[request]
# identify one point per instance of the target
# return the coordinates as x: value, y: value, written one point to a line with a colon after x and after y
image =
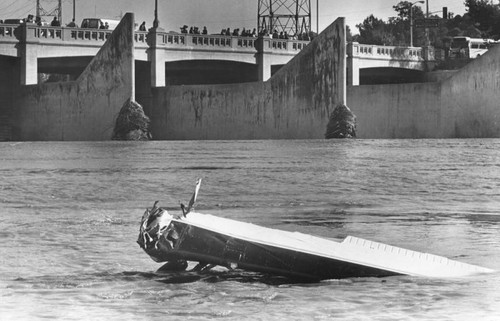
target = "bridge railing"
x: 286, y: 45
x: 7, y: 31
x: 140, y: 37
x: 58, y: 34
x: 206, y: 42
x: 211, y: 42
x: 51, y: 34
x: 90, y: 34
x: 384, y: 52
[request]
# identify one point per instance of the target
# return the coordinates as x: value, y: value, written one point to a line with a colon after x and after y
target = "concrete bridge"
x: 50, y: 46
x: 360, y: 56
x: 53, y: 47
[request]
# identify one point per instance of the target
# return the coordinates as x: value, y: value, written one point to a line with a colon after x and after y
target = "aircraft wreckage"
x: 212, y: 241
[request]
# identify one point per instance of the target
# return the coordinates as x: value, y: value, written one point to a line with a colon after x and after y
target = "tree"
x: 486, y: 17
x: 395, y: 32
x: 371, y: 31
x: 481, y: 20
x: 403, y: 10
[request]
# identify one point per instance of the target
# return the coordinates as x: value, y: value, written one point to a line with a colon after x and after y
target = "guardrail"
x: 166, y: 39
x: 384, y: 52
x: 55, y: 33
x: 141, y: 37
x: 288, y: 45
x: 7, y: 31
x: 208, y: 42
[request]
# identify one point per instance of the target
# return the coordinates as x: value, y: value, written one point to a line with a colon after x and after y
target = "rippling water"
x: 69, y: 218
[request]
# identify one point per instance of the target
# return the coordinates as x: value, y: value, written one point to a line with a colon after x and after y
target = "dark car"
x: 13, y: 21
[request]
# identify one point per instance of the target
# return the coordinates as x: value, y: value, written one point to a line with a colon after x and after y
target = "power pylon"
x: 55, y: 9
x: 290, y: 16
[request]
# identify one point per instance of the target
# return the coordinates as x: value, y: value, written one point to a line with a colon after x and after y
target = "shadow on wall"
x: 205, y: 72
x: 389, y: 75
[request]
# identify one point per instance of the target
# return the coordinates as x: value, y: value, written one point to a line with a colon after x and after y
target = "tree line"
x: 481, y: 20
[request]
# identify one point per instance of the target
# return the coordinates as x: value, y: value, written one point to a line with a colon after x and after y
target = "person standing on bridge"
x: 72, y: 24
x: 55, y: 23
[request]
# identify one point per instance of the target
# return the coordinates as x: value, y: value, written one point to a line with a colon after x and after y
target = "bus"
x: 466, y: 47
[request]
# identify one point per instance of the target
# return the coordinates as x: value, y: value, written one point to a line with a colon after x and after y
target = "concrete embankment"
x: 84, y: 109
x: 294, y: 104
x: 8, y: 79
x: 465, y: 105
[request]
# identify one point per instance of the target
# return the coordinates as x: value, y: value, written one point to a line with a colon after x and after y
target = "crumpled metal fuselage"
x: 212, y: 240
x: 167, y: 238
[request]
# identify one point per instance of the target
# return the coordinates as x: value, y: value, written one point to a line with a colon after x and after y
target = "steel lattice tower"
x: 290, y: 16
x: 54, y: 11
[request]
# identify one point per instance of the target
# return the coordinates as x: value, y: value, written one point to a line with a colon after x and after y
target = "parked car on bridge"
x: 95, y: 23
x: 13, y: 21
x: 21, y: 21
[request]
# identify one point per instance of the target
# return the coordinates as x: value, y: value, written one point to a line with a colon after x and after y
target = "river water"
x: 70, y: 212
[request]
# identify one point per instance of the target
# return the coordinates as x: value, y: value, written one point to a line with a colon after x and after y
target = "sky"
x: 215, y: 14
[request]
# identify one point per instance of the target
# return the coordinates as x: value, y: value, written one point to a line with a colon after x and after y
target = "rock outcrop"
x: 132, y: 123
x: 342, y: 123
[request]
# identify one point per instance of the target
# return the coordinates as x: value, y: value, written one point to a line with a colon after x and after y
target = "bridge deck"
x: 64, y: 41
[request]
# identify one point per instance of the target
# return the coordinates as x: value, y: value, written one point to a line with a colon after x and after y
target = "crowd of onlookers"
x: 194, y: 30
x: 38, y: 21
x: 284, y: 35
x: 224, y: 32
x: 245, y: 33
x: 236, y: 32
x: 31, y: 19
x: 184, y: 29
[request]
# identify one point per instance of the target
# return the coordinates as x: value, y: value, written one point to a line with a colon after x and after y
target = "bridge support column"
x: 156, y: 56
x: 429, y: 58
x: 29, y: 57
x: 264, y: 58
x: 352, y: 65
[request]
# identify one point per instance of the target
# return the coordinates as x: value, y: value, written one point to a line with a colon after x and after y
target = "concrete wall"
x: 295, y: 103
x: 396, y: 111
x: 198, y: 72
x: 465, y: 105
x: 471, y: 98
x: 8, y: 77
x: 85, y: 109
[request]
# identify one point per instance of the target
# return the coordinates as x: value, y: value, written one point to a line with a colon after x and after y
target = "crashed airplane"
x: 212, y: 241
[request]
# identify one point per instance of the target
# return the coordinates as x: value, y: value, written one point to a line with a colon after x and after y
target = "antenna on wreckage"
x: 185, y: 211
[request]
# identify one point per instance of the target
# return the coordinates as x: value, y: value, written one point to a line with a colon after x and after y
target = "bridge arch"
x: 389, y: 75
x: 372, y: 57
x: 203, y: 71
